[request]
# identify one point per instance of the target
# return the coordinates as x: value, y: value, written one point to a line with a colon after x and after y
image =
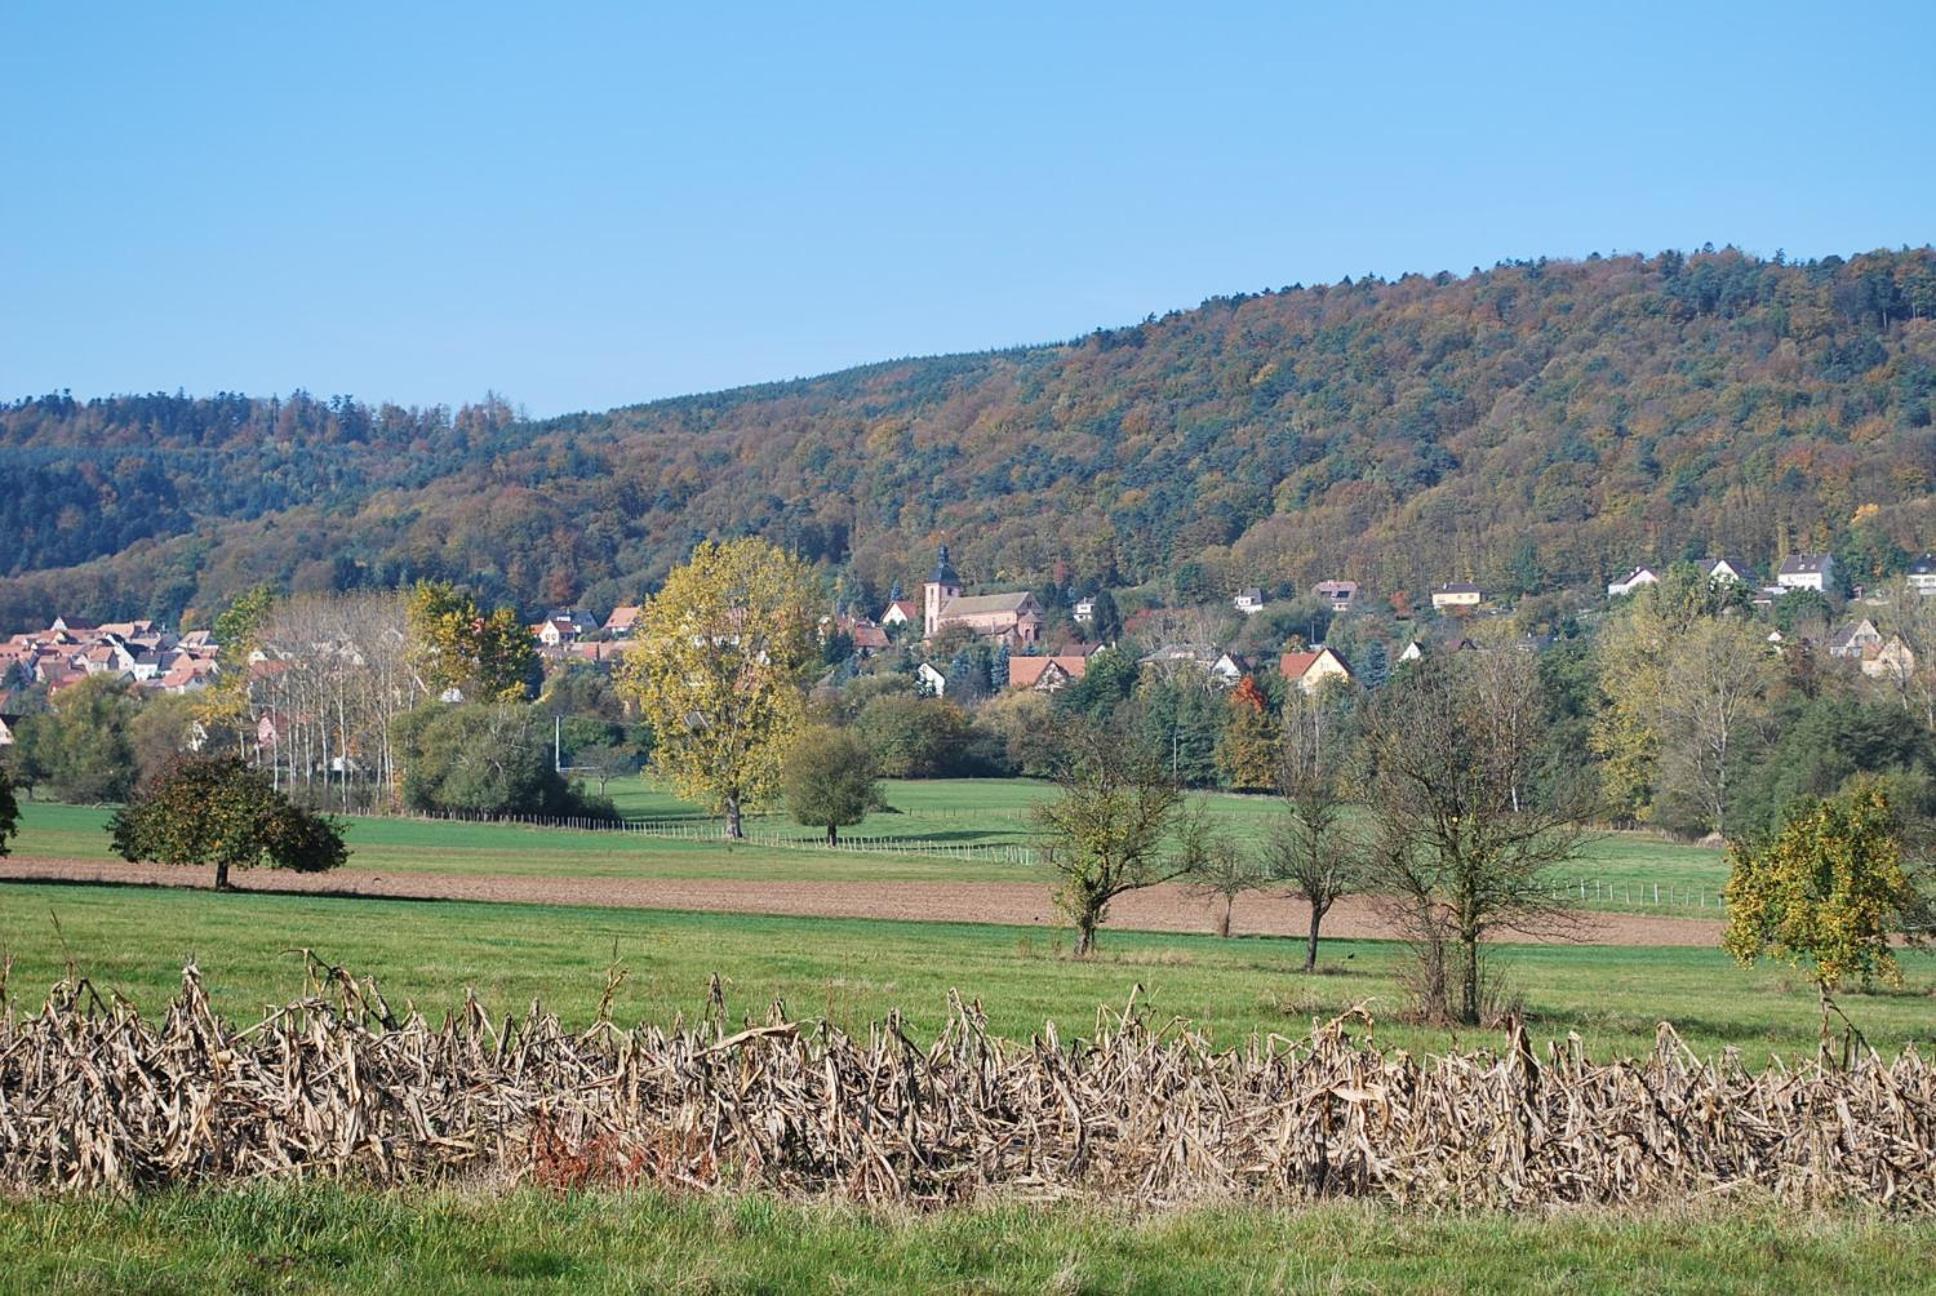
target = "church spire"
x: 944, y: 572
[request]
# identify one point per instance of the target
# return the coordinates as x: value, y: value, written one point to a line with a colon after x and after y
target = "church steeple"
x: 941, y: 589
x: 944, y: 572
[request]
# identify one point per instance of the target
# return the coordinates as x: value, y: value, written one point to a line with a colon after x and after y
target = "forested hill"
x: 1536, y: 426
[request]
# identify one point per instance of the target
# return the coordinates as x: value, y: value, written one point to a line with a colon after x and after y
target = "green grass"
x: 134, y: 940
x: 323, y: 1238
x: 950, y: 811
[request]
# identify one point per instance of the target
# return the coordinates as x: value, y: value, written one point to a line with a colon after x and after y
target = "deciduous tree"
x: 1313, y: 849
x: 716, y: 669
x: 1462, y: 851
x: 215, y: 810
x: 831, y: 781
x: 1827, y: 894
x: 1108, y: 825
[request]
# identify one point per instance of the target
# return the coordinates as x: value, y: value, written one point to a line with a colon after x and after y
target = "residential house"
x: 1340, y: 595
x: 1249, y: 601
x: 1851, y: 642
x: 1311, y: 670
x: 623, y: 621
x: 1729, y: 571
x: 557, y: 631
x: 1807, y: 571
x: 901, y: 612
x: 7, y: 722
x: 1014, y: 618
x: 1892, y: 661
x: 1229, y: 670
x: 1632, y: 581
x: 1922, y: 574
x: 1457, y: 594
x: 1084, y: 611
x: 868, y: 638
x: 1046, y: 674
x: 931, y: 681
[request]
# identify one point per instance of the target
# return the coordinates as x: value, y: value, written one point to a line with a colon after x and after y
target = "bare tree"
x: 1455, y: 856
x: 1216, y: 866
x: 1713, y: 690
x: 1313, y: 848
x: 1109, y: 825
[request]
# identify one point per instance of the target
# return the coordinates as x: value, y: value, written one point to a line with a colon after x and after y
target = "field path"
x: 1022, y: 904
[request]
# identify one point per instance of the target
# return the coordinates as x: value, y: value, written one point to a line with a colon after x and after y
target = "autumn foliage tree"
x: 717, y: 667
x: 1828, y: 894
x: 1248, y: 749
x: 214, y: 810
x: 455, y: 644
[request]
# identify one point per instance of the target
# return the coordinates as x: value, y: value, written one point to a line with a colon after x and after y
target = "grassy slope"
x: 134, y: 940
x: 331, y: 1239
x: 954, y: 811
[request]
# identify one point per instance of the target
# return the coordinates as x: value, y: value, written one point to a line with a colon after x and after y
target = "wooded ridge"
x: 1539, y: 426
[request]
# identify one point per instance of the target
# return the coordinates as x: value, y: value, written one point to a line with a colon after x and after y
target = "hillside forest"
x: 1538, y: 427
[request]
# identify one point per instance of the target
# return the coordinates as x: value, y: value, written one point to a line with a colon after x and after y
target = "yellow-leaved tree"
x: 1827, y: 894
x: 717, y: 669
x: 455, y: 644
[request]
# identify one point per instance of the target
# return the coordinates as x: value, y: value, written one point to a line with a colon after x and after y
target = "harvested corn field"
x: 92, y: 1096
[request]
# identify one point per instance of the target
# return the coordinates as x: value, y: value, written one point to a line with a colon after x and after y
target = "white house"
x: 1855, y: 640
x: 1806, y: 571
x: 1249, y: 601
x: 1085, y: 611
x: 1457, y: 594
x: 1229, y: 670
x: 1632, y: 581
x: 1728, y: 571
x: 930, y: 681
x: 1922, y: 574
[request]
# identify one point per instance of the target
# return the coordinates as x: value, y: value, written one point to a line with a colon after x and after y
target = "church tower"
x: 943, y: 588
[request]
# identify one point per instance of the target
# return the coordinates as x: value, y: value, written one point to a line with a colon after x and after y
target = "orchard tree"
x: 1215, y: 866
x: 215, y: 810
x: 1109, y: 823
x: 830, y: 781
x: 1827, y: 894
x: 1313, y: 850
x: 717, y: 667
x: 1463, y: 847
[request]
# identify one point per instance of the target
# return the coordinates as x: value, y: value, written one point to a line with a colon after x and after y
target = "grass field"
x: 949, y: 811
x: 329, y: 1239
x: 134, y: 940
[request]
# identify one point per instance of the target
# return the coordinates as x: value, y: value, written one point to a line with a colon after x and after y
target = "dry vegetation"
x: 334, y: 1085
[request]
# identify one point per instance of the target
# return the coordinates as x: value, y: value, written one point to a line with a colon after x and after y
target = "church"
x: 1014, y: 618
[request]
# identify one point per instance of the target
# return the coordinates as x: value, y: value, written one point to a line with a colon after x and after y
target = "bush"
x: 485, y: 760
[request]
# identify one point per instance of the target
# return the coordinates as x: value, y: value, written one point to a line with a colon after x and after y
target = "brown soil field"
x: 1163, y: 908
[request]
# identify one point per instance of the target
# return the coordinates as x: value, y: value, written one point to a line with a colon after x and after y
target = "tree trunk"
x: 1311, y: 940
x: 833, y: 835
x: 1223, y: 919
x: 1469, y: 981
x: 222, y: 881
x: 733, y: 829
x: 1085, y: 936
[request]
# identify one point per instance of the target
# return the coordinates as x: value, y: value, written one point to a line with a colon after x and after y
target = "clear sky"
x: 581, y: 206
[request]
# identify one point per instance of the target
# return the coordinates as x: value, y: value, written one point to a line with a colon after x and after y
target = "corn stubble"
x: 93, y: 1097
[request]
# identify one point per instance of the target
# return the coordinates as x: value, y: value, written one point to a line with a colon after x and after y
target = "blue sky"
x: 581, y: 206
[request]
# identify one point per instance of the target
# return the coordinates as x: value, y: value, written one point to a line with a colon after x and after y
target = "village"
x: 964, y: 646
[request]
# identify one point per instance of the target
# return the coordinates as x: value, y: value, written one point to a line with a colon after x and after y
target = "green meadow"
x: 1620, y: 870
x: 325, y: 1238
x: 134, y: 940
